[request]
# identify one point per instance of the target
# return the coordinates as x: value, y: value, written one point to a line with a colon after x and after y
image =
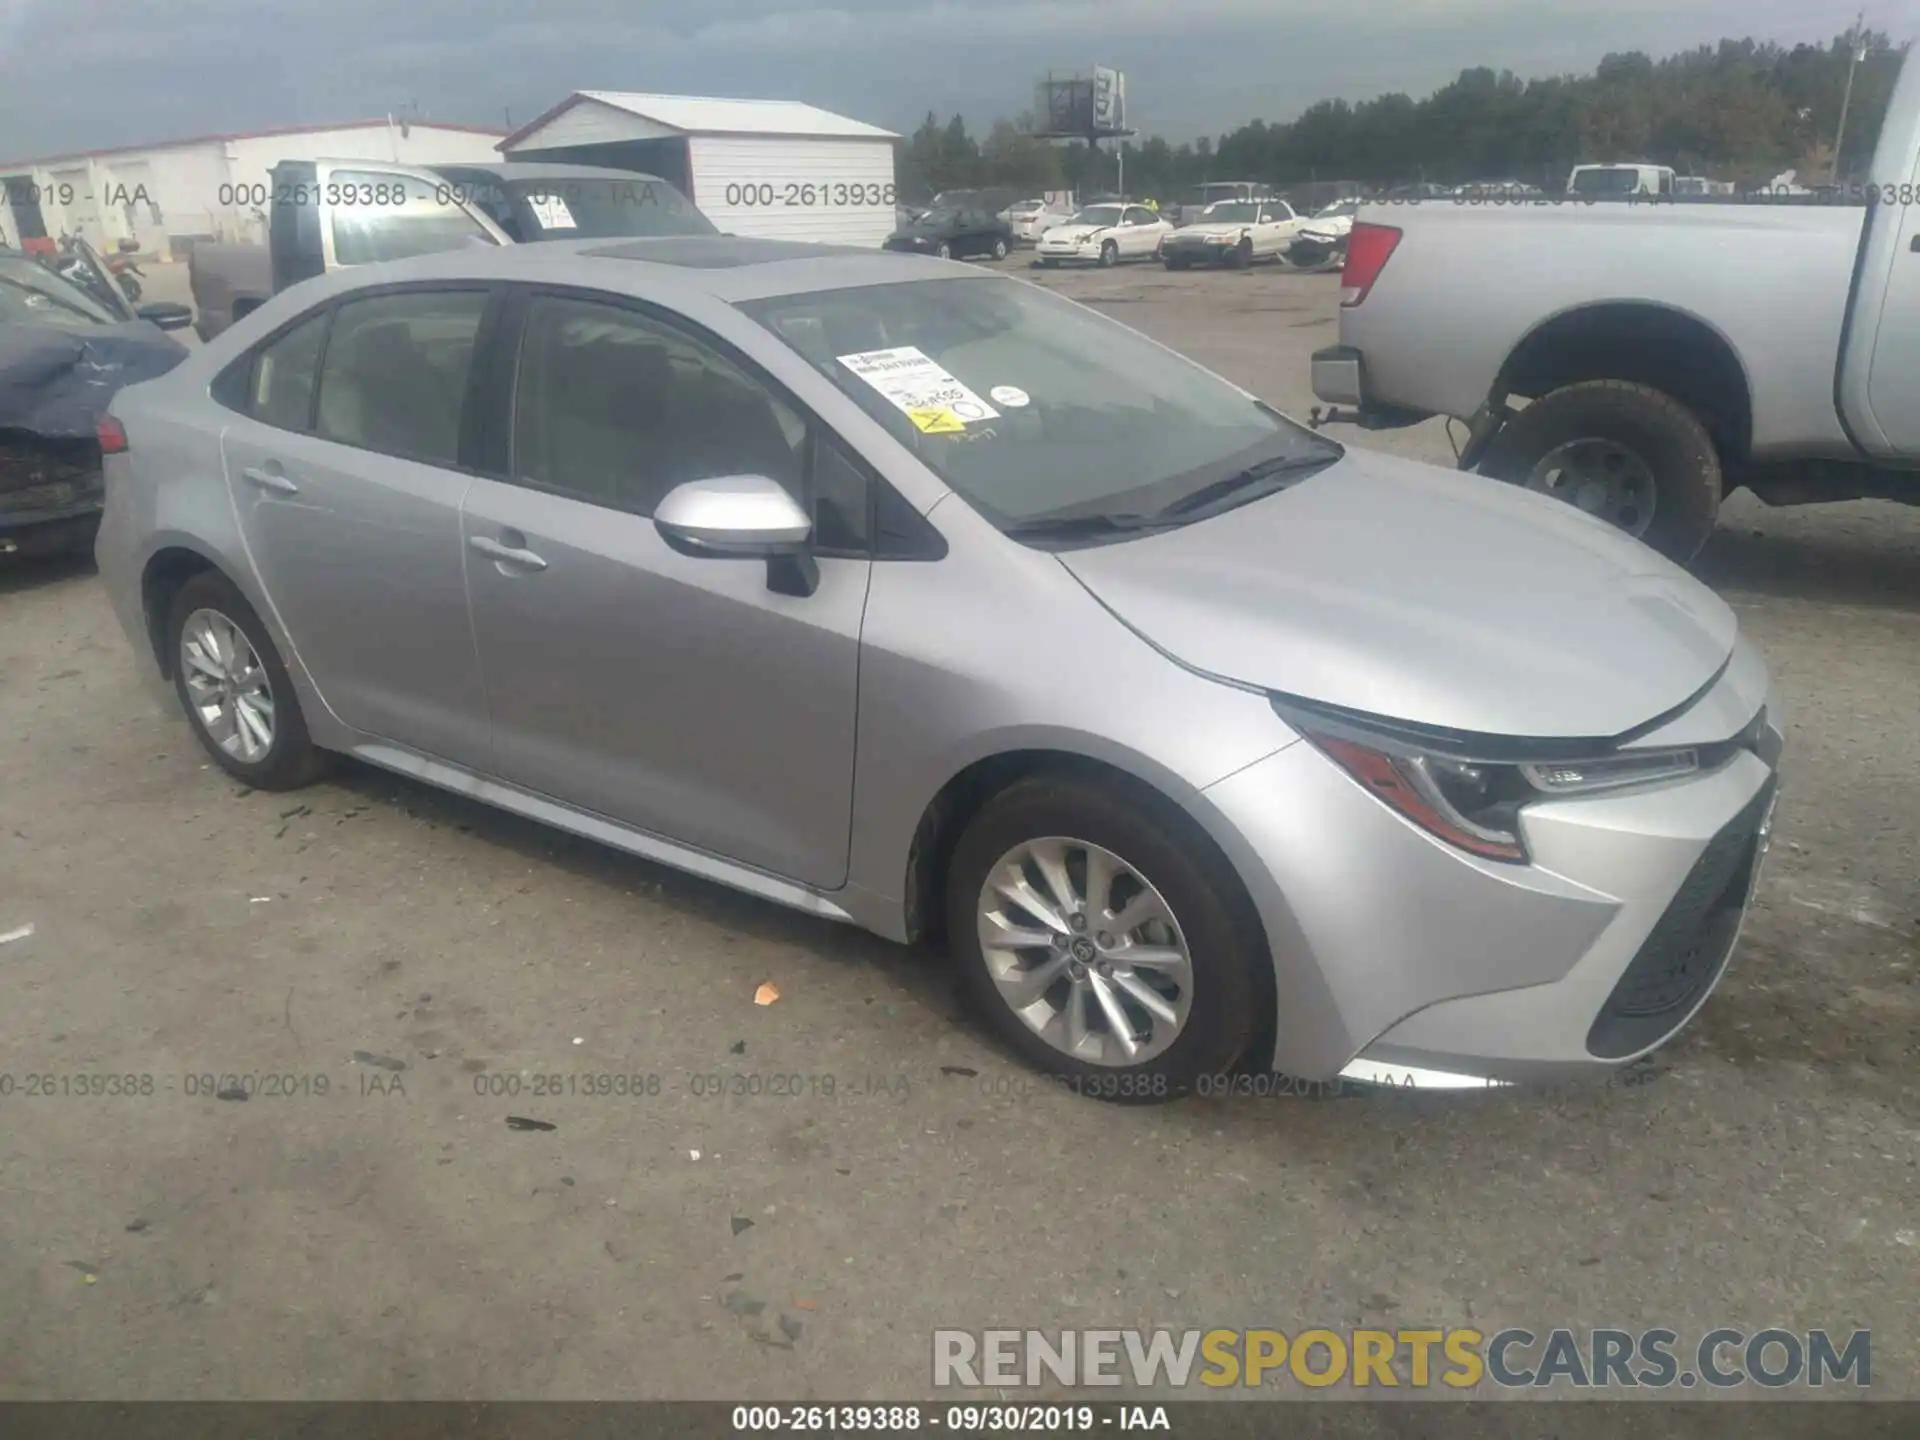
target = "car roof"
x: 728, y: 268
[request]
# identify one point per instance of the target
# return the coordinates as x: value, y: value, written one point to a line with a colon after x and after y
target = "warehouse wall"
x: 164, y: 196
x: 825, y: 191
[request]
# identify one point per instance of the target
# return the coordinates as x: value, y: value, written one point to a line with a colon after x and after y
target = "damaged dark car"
x: 68, y: 343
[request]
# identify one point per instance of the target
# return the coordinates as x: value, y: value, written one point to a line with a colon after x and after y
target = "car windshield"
x: 1230, y: 212
x: 32, y: 294
x: 1614, y: 180
x: 575, y: 207
x: 1097, y: 215
x: 1029, y: 405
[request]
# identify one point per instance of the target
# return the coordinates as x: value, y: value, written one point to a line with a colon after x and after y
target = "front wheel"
x: 1109, y: 255
x: 235, y: 690
x: 1243, y: 255
x: 1625, y: 453
x: 1105, y: 939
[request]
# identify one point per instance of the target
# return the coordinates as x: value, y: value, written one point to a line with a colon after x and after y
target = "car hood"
x: 1076, y: 232
x: 1328, y: 229
x: 1423, y: 595
x: 57, y: 383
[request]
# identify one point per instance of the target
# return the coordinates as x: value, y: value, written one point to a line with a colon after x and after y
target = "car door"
x: 1277, y: 226
x: 1893, y: 384
x: 342, y: 466
x: 673, y: 693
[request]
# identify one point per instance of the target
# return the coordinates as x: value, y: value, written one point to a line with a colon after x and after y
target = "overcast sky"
x: 83, y: 74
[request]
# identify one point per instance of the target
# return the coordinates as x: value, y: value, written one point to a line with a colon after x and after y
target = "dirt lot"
x: 421, y: 957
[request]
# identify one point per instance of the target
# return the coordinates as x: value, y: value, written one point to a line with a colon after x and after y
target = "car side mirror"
x: 167, y: 314
x: 742, y: 517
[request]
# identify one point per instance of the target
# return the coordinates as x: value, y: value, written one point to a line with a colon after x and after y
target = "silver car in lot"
x: 930, y: 601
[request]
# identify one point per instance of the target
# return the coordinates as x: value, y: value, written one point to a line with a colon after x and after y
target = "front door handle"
x: 269, y: 480
x: 506, y: 554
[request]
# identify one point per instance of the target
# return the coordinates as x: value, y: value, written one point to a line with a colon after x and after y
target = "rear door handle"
x: 269, y: 480
x: 506, y: 554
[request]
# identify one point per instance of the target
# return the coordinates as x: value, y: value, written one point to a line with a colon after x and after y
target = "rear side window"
x: 395, y: 374
x: 281, y: 394
x: 377, y: 215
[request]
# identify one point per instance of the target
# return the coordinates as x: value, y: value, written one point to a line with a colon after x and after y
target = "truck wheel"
x: 1628, y: 454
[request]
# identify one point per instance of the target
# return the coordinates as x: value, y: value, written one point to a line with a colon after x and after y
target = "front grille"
x: 1689, y: 945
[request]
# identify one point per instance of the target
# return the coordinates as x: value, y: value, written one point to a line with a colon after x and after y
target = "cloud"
x: 80, y: 74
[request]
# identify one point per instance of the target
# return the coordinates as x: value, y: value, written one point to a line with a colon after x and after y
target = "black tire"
x: 1232, y: 974
x: 1666, y: 436
x: 292, y: 759
x: 1172, y: 263
x: 999, y: 247
x: 1243, y: 255
x: 945, y: 252
x: 1109, y: 255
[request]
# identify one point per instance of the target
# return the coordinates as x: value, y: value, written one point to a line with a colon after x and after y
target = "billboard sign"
x: 1109, y: 99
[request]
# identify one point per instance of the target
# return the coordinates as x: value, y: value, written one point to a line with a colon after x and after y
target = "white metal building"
x: 213, y: 187
x: 771, y: 168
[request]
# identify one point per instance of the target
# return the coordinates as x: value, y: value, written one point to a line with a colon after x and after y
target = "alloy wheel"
x: 1085, y: 951
x: 227, y: 686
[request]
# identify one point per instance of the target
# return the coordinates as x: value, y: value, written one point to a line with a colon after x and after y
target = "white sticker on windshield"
x: 1012, y: 396
x: 936, y: 402
x: 551, y: 212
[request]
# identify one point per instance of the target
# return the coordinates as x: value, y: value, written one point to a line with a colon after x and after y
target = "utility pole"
x: 1856, y: 52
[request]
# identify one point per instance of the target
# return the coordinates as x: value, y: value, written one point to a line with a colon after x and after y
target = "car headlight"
x: 1474, y: 803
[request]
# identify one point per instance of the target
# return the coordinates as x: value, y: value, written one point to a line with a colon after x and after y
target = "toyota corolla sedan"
x: 930, y: 601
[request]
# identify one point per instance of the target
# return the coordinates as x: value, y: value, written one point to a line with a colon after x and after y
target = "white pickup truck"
x: 1641, y: 358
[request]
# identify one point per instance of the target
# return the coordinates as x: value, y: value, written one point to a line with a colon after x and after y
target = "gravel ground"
x: 421, y: 956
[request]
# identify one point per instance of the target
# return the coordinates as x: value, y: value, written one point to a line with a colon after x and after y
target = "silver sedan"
x: 930, y: 601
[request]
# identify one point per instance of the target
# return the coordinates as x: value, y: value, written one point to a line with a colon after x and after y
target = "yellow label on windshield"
x: 936, y: 420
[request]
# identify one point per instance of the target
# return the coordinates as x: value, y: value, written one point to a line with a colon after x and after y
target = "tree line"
x: 1742, y: 110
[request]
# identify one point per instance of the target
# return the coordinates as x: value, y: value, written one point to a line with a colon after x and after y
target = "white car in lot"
x: 1106, y: 235
x: 1031, y: 219
x: 1322, y: 238
x: 1233, y: 232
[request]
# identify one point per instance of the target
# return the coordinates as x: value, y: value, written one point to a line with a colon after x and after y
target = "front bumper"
x: 1201, y: 252
x: 1084, y: 251
x: 1401, y: 959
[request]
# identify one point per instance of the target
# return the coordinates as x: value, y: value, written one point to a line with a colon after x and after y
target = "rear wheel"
x: 235, y: 690
x: 999, y: 248
x: 1628, y: 454
x: 1105, y: 940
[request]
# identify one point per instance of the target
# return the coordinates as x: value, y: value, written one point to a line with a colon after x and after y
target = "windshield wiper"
x: 1266, y: 477
x: 1078, y: 527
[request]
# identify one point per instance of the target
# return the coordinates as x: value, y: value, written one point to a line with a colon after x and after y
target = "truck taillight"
x: 1369, y: 247
x: 112, y: 435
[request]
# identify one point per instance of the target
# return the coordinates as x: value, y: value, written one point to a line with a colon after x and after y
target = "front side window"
x: 1029, y: 405
x: 617, y: 408
x: 378, y: 215
x: 283, y: 376
x: 395, y: 374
